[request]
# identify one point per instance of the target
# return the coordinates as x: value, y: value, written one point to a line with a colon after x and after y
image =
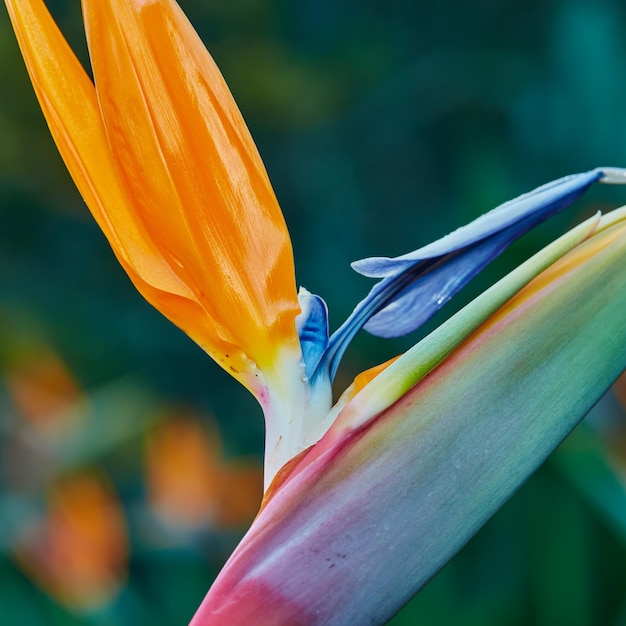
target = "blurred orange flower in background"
x: 75, y: 546
x: 189, y: 483
x: 77, y: 550
x: 44, y: 390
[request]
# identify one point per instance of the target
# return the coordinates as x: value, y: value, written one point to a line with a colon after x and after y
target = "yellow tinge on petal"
x: 163, y: 159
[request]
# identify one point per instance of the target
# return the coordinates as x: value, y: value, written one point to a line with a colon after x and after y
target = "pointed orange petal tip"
x: 364, y: 378
x: 163, y: 159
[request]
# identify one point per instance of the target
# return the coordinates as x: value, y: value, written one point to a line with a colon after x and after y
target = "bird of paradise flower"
x: 365, y: 500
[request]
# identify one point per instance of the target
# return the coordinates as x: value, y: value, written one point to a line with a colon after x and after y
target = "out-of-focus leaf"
x: 584, y: 460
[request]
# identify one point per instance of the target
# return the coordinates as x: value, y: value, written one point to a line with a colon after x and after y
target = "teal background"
x: 382, y: 125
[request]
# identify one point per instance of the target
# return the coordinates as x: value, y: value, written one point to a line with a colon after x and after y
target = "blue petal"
x: 545, y: 200
x: 312, y: 327
x: 416, y: 285
x: 417, y: 302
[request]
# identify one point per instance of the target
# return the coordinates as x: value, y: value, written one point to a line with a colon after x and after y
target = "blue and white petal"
x: 312, y: 328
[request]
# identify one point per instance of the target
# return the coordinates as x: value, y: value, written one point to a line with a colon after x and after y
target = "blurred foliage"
x: 383, y: 125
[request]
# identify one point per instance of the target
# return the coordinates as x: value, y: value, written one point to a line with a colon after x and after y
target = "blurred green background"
x: 130, y: 463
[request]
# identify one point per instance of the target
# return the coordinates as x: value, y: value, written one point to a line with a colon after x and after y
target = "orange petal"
x: 229, y: 285
x: 193, y: 171
x: 68, y: 101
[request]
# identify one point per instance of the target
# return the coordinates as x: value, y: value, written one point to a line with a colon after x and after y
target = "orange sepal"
x: 201, y: 237
x: 193, y: 170
x: 68, y: 101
